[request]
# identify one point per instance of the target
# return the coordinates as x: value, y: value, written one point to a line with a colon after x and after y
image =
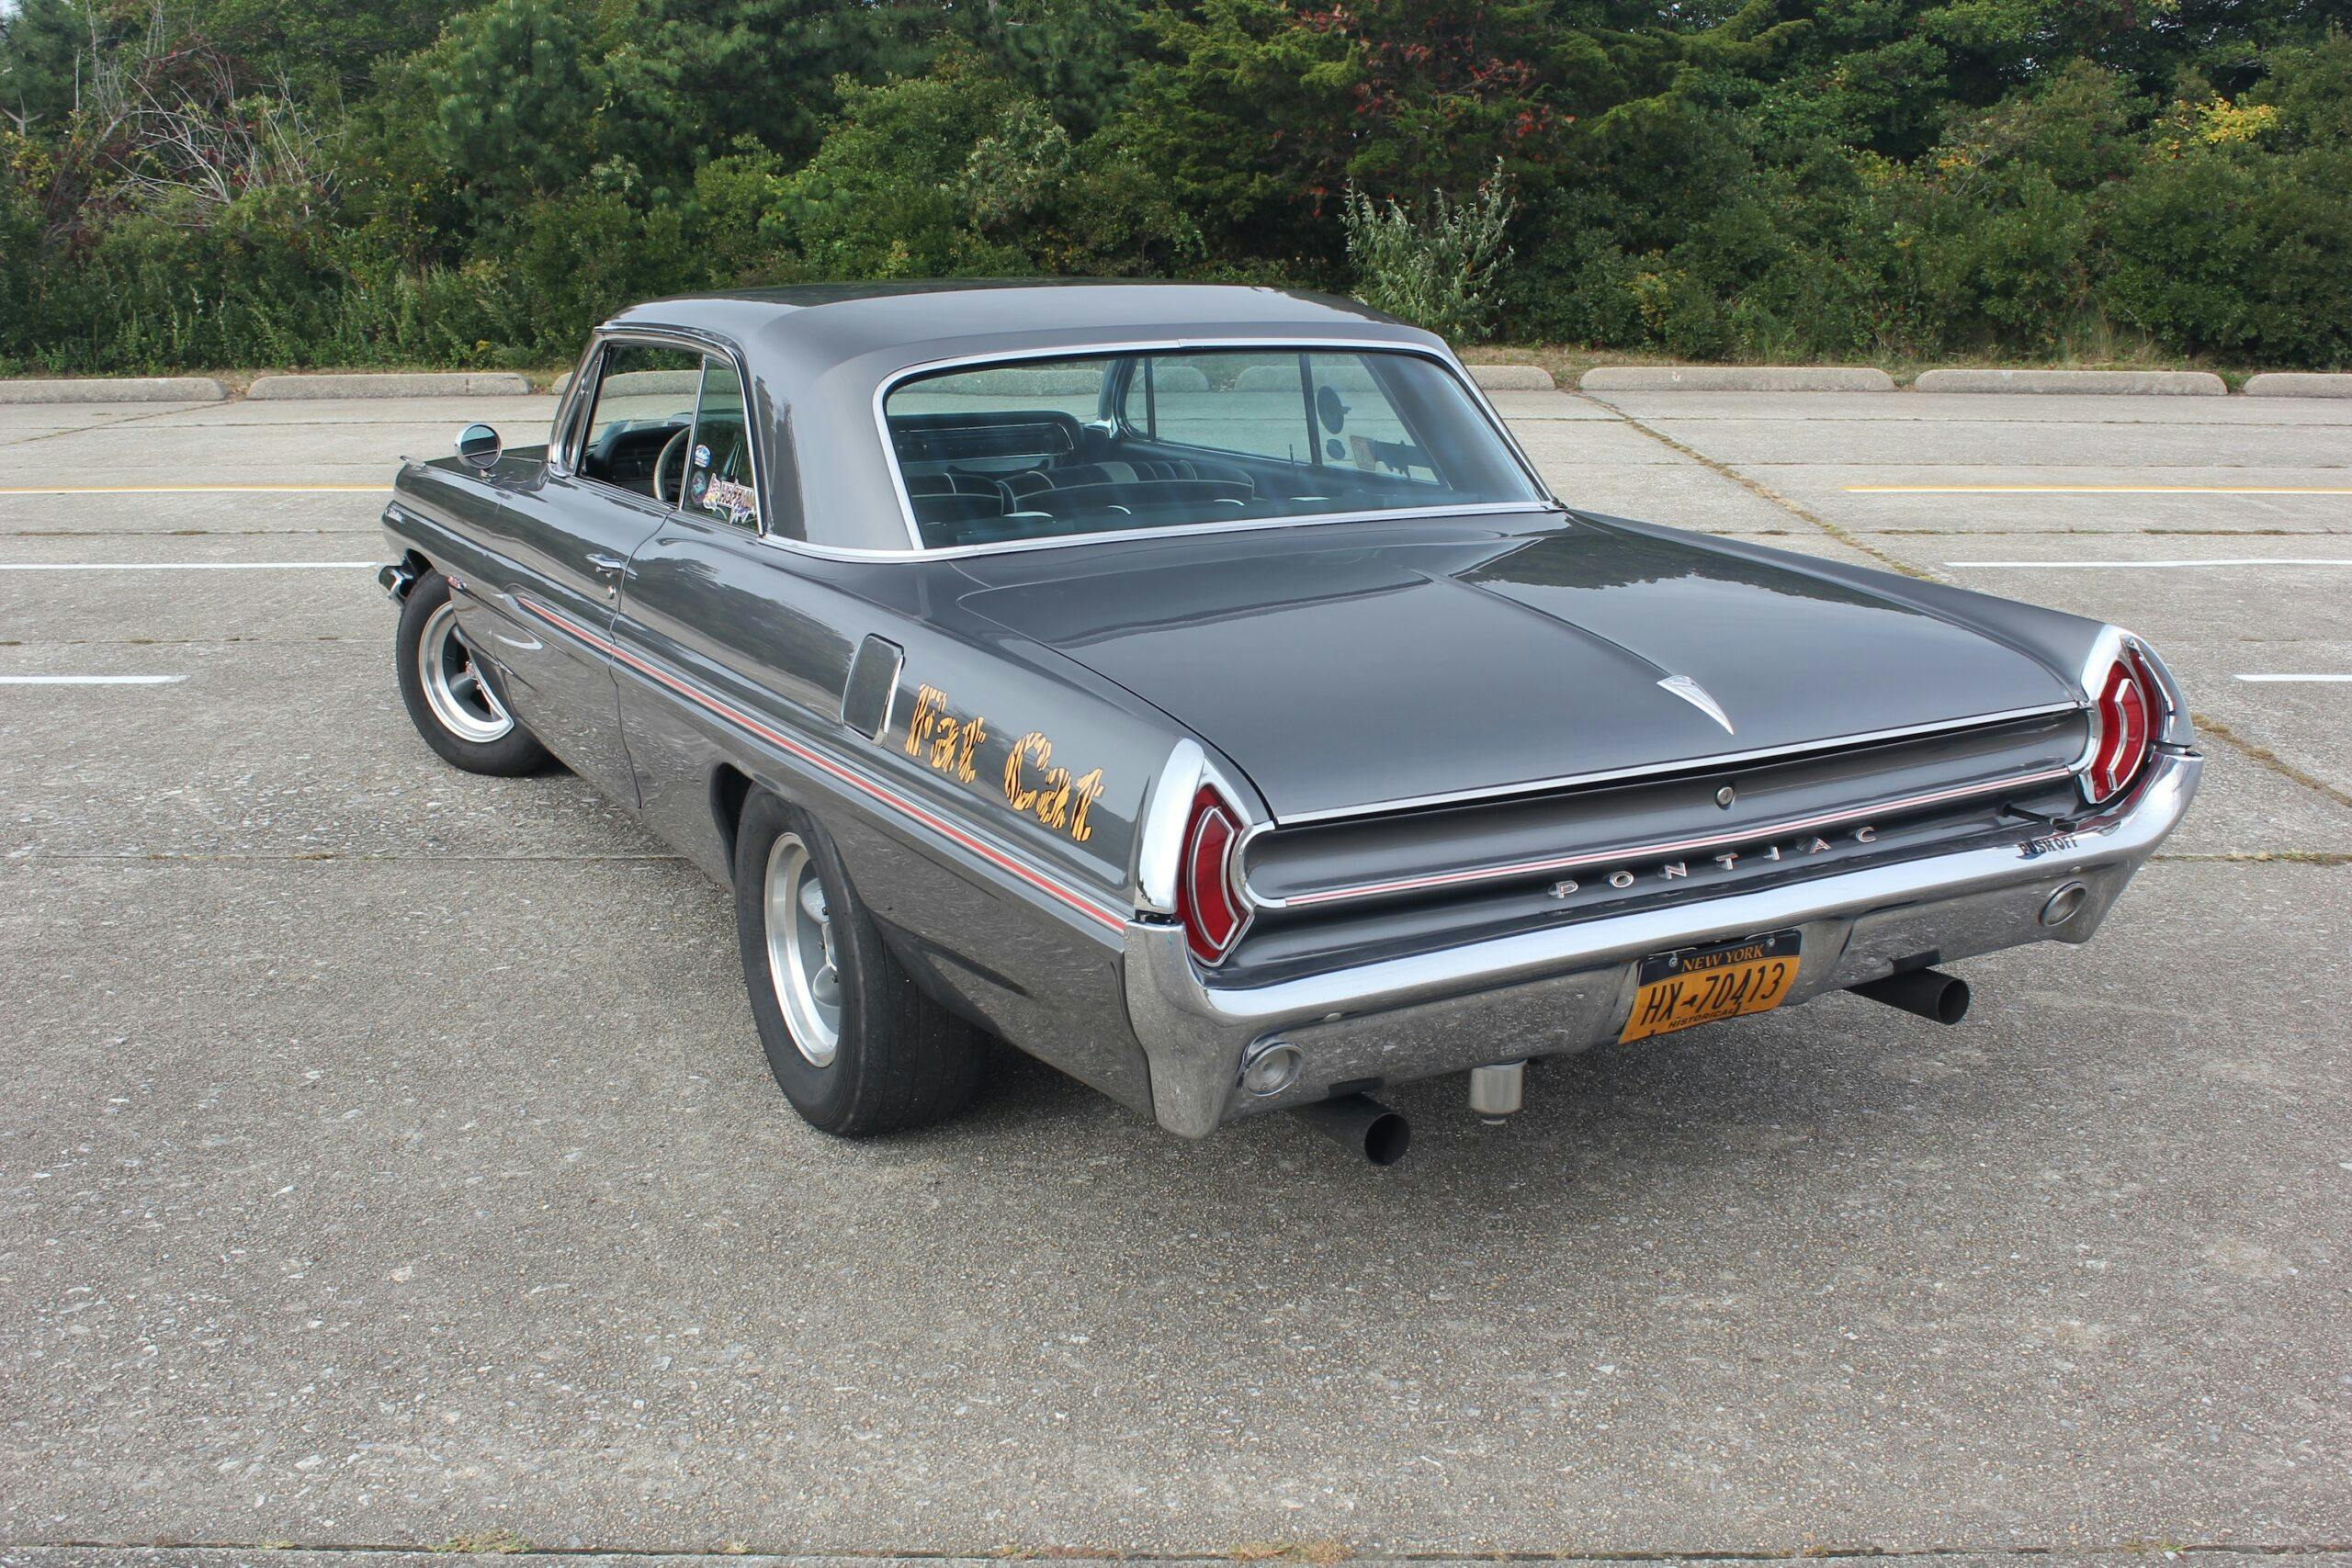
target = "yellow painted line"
x: 2100, y: 490
x: 195, y: 490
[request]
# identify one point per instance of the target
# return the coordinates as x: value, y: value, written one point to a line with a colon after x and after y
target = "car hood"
x: 1342, y: 670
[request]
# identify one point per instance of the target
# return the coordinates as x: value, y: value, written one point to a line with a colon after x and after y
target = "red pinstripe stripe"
x: 856, y: 781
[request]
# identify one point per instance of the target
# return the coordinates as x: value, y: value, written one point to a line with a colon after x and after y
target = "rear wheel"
x: 853, y: 1041
x: 449, y: 695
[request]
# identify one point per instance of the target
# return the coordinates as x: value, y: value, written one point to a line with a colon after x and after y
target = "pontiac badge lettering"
x: 1624, y: 878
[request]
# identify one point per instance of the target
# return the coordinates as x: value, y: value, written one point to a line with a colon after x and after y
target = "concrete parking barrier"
x: 394, y: 384
x: 115, y: 389
x: 1512, y: 378
x: 1735, y: 379
x: 2144, y: 383
x: 2299, y: 384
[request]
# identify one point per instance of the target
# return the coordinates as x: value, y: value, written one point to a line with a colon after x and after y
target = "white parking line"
x: 2097, y: 490
x: 2154, y: 565
x: 188, y: 566
x: 89, y: 680
x: 2316, y: 680
x: 195, y: 490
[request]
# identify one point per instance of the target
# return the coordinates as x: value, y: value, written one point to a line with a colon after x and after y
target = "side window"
x: 1249, y: 404
x: 718, y: 470
x: 643, y: 413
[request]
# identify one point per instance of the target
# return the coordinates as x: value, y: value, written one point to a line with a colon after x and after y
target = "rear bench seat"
x: 1075, y: 489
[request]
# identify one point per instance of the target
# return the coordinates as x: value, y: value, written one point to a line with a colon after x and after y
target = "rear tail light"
x: 1208, y: 881
x: 2125, y: 711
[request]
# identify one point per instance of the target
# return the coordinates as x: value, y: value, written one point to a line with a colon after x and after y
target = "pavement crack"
x: 1756, y: 488
x: 104, y: 424
x: 2255, y: 752
x: 2257, y: 857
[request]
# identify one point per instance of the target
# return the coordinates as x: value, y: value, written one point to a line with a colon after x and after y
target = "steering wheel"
x: 676, y: 443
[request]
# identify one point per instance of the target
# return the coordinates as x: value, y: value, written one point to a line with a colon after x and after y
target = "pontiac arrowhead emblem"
x: 1690, y: 691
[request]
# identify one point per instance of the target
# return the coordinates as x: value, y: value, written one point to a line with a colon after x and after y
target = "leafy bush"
x: 1440, y: 269
x: 190, y: 183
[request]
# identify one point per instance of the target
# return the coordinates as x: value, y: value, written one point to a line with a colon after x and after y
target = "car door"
x: 713, y: 613
x: 613, y: 473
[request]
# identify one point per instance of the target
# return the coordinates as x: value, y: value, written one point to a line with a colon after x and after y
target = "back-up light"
x: 1208, y: 900
x: 2125, y: 711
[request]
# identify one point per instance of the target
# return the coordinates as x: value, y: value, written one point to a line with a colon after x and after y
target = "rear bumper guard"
x: 1565, y: 988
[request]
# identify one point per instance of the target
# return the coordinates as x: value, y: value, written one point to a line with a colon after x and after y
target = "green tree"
x: 515, y: 91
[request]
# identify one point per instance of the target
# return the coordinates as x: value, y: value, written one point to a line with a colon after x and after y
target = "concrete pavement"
x: 390, y: 1163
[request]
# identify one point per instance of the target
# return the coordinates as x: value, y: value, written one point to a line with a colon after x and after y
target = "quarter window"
x: 719, y: 469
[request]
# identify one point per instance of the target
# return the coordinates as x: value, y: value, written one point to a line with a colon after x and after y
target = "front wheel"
x: 855, y: 1045
x: 448, y: 692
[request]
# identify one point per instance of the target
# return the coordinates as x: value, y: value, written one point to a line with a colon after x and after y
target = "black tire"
x: 505, y: 754
x: 898, y: 1059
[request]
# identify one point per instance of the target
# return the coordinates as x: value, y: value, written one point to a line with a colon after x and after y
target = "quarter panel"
x: 735, y: 654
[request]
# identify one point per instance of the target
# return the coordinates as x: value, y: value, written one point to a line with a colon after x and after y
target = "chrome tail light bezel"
x: 1189, y: 788
x: 2120, y: 657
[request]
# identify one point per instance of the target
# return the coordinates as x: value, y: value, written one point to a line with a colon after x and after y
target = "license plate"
x: 1700, y: 984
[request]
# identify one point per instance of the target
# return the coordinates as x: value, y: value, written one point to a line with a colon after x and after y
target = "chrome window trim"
x: 1444, y: 359
x: 686, y: 342
x: 1692, y: 765
x: 559, y: 430
x: 1188, y: 530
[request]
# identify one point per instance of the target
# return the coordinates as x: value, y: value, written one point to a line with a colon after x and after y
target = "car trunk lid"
x: 1354, y: 668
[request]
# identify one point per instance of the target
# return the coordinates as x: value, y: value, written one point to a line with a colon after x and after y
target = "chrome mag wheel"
x: 454, y: 687
x: 801, y: 963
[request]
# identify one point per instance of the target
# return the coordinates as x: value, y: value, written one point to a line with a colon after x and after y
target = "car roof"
x: 857, y: 319
x: 817, y: 358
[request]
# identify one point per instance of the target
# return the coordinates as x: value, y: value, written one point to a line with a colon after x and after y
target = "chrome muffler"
x: 1497, y: 1090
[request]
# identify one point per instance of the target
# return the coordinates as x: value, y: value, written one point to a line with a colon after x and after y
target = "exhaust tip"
x: 1362, y: 1125
x: 1386, y: 1141
x: 1928, y: 993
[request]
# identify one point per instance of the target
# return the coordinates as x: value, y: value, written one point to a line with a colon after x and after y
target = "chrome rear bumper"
x: 1568, y: 988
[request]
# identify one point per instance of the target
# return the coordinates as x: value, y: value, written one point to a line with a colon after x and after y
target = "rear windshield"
x: 1041, y: 448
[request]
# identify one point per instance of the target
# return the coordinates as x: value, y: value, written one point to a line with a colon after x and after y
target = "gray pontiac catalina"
x: 1198, y: 688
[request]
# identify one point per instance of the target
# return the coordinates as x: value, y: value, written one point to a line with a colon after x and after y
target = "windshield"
x: 1041, y: 448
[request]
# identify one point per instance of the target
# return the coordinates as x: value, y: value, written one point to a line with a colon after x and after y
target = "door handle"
x: 608, y: 567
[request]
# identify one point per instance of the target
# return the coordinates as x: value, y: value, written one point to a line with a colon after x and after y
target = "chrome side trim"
x: 1664, y: 847
x: 1444, y: 359
x: 1693, y: 765
x: 835, y: 767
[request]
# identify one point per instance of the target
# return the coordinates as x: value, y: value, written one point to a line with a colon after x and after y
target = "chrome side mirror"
x: 478, y: 447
